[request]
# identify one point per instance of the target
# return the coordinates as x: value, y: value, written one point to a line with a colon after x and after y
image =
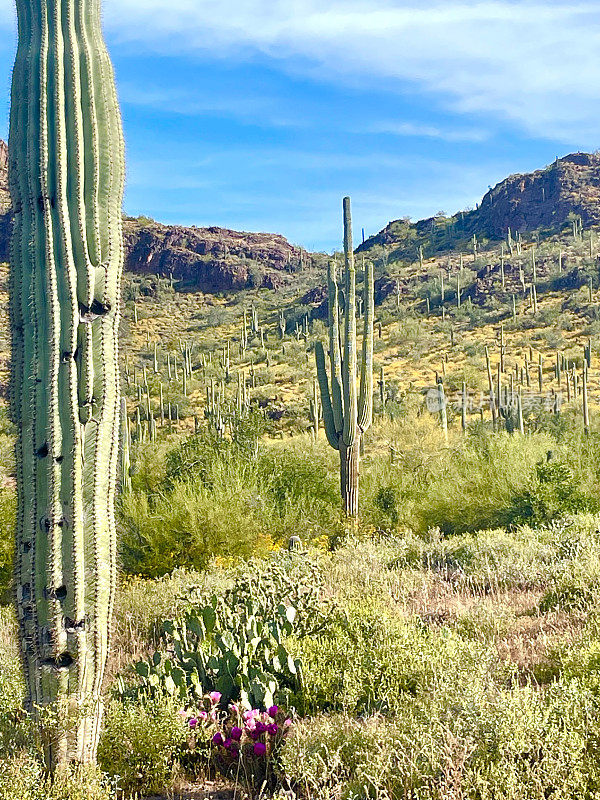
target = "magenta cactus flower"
x: 273, y: 711
x: 272, y: 729
x: 236, y: 733
x: 260, y: 749
x: 215, y: 697
x: 193, y: 722
x: 217, y: 739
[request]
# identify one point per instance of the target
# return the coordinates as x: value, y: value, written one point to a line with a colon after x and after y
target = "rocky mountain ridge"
x: 546, y: 199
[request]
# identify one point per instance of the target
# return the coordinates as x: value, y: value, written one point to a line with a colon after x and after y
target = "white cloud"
x: 427, y: 131
x: 531, y: 62
x: 535, y: 63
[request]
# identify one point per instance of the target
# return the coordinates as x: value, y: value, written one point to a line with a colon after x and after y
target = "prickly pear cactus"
x: 66, y: 170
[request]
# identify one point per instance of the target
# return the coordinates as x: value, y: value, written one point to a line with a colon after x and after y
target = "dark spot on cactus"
x: 26, y: 592
x: 26, y: 547
x: 75, y: 354
x: 63, y: 661
x: 63, y: 522
x: 59, y: 459
x: 66, y: 357
x: 45, y: 524
x: 40, y: 202
x: 60, y: 593
x: 99, y: 308
x: 42, y: 451
x: 53, y: 201
x: 27, y: 612
x: 72, y: 627
x: 18, y: 207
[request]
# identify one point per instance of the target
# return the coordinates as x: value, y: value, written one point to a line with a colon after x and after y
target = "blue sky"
x: 261, y: 115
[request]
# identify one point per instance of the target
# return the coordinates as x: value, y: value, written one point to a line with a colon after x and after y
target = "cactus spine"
x: 347, y: 413
x: 66, y: 181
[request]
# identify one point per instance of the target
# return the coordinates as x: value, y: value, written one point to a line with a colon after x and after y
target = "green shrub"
x: 22, y: 777
x: 491, y: 745
x: 7, y: 533
x: 553, y: 493
x: 140, y: 743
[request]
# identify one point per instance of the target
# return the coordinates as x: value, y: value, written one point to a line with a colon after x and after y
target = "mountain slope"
x: 547, y: 199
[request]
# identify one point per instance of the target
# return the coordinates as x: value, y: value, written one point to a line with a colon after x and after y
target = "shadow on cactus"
x: 237, y: 643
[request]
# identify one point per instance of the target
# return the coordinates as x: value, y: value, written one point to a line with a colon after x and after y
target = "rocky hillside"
x: 211, y: 259
x: 546, y: 199
x: 207, y: 259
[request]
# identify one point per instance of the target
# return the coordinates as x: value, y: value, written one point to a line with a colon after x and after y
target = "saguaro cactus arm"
x: 365, y: 404
x: 349, y: 371
x: 335, y: 353
x: 331, y: 430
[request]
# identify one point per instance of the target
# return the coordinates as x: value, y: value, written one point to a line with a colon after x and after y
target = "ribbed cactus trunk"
x: 66, y: 170
x: 349, y: 473
x: 346, y: 413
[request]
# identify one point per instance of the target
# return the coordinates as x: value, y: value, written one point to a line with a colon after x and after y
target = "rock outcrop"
x: 210, y: 259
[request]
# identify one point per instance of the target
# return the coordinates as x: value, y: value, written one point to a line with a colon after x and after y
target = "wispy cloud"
x: 426, y: 131
x: 534, y: 63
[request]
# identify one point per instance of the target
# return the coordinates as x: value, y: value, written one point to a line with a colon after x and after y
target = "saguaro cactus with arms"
x: 347, y: 413
x: 66, y: 169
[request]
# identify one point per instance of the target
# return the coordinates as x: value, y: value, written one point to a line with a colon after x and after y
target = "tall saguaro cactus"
x: 66, y: 169
x: 347, y: 413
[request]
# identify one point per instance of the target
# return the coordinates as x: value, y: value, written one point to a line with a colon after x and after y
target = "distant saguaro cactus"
x: 347, y: 414
x: 66, y: 169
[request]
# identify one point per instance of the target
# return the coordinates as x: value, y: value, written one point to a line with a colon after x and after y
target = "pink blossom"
x: 202, y: 715
x: 215, y: 697
x: 287, y: 723
x: 193, y: 722
x: 272, y: 728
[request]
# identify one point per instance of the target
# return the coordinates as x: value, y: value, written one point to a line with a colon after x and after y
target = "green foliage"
x: 489, y: 746
x: 140, y: 743
x: 236, y: 643
x: 553, y: 492
x: 7, y: 534
x: 23, y: 777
